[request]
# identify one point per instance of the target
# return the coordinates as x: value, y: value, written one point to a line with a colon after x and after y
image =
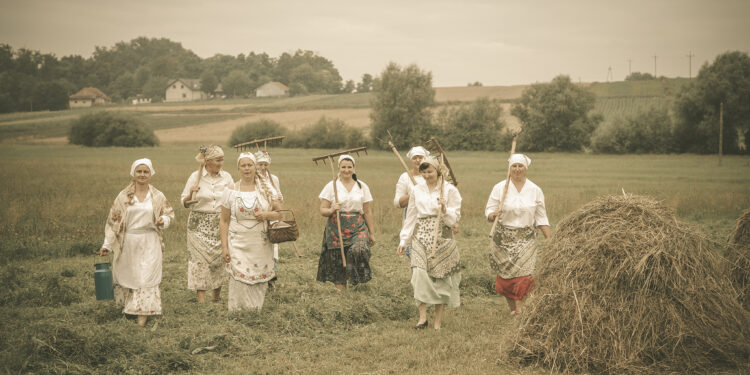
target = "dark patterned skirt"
x: 356, y: 248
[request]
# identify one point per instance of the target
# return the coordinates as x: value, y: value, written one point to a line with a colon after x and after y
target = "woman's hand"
x: 160, y: 222
x: 103, y: 252
x: 400, y: 250
x: 372, y: 239
x: 494, y: 215
x: 225, y: 255
x: 336, y: 206
x: 194, y: 190
x: 455, y: 229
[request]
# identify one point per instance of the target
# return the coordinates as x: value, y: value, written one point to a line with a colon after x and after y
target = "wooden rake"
x: 191, y: 199
x: 335, y: 190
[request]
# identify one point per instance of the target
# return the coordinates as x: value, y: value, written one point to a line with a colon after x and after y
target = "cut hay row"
x: 738, y: 256
x: 628, y: 288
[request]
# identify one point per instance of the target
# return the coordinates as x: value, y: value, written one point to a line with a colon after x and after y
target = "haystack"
x: 624, y: 287
x: 738, y: 255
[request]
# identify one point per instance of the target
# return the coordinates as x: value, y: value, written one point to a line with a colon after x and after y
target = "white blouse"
x: 276, y: 186
x: 404, y: 187
x: 350, y: 200
x: 139, y: 218
x: 211, y: 190
x: 522, y: 209
x: 424, y: 203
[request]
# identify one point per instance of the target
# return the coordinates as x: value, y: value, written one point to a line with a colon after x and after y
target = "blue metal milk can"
x: 103, y: 282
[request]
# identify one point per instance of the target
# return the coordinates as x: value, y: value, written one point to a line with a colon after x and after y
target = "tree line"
x: 31, y: 80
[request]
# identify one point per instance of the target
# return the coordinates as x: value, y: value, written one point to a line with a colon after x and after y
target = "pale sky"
x: 496, y: 42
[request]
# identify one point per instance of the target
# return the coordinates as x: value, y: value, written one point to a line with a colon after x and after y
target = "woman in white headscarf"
x: 513, y: 249
x: 245, y: 211
x: 133, y: 233
x: 263, y: 162
x: 404, y: 186
x: 357, y: 235
x: 202, y: 194
x: 435, y: 261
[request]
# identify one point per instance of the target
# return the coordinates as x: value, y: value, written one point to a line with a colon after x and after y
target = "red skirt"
x: 516, y: 288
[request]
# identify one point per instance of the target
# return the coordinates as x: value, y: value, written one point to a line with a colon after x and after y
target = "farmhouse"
x: 184, y: 90
x: 141, y: 99
x: 272, y: 89
x: 89, y: 97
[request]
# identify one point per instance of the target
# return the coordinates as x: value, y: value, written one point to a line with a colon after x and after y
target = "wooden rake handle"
x: 505, y: 189
x: 338, y: 214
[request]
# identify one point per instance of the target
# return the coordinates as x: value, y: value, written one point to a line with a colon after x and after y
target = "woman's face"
x: 417, y: 160
x: 262, y: 167
x: 346, y: 168
x: 214, y: 165
x: 517, y: 171
x: 246, y: 166
x: 142, y: 174
x: 429, y: 174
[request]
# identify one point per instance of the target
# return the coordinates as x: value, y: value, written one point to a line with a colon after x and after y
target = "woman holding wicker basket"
x: 519, y: 212
x: 245, y: 211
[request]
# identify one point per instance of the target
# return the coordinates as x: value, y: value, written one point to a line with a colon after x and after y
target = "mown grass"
x: 51, y: 223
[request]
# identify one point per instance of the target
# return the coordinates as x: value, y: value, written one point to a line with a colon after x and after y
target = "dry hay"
x: 738, y: 255
x: 627, y: 288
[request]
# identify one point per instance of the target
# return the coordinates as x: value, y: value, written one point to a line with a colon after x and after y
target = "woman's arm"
x: 224, y: 232
x: 545, y: 230
x: 410, y: 222
x: 327, y: 209
x: 367, y: 213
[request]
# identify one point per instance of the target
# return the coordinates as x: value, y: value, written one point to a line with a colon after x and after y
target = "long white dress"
x: 251, y: 265
x: 137, y: 271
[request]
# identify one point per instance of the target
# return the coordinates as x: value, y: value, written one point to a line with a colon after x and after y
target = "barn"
x: 272, y: 89
x: 88, y: 97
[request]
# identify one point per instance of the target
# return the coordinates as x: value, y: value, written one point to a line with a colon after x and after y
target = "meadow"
x: 56, y: 198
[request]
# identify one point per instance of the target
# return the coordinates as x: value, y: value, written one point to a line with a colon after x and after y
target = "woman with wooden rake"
x: 202, y: 194
x: 353, y: 204
x: 434, y: 208
x: 519, y: 211
x: 133, y: 233
x: 245, y: 247
x: 404, y: 186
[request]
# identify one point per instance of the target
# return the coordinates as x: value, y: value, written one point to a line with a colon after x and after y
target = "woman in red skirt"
x: 512, y: 249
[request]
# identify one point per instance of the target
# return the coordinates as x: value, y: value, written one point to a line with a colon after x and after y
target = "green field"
x: 56, y: 198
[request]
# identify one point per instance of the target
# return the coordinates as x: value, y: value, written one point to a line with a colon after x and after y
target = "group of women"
x: 228, y: 223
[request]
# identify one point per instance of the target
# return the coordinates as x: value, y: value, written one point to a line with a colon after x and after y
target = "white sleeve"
x: 540, y: 216
x: 493, y: 202
x: 366, y: 196
x: 327, y: 192
x: 188, y: 185
x: 166, y: 220
x: 278, y: 187
x: 402, y: 188
x: 226, y: 199
x: 452, y: 205
x: 410, y: 222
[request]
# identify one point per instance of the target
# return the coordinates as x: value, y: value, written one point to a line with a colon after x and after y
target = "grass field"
x: 55, y: 199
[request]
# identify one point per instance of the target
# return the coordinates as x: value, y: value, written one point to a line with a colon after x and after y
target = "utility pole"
x: 630, y: 66
x: 721, y: 131
x: 654, y: 66
x: 609, y: 74
x: 690, y: 64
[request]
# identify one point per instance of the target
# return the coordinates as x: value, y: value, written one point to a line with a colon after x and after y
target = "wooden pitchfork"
x: 403, y: 163
x: 335, y: 191
x: 191, y: 199
x: 505, y: 189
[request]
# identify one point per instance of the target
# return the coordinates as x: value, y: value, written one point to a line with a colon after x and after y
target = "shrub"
x: 262, y: 128
x: 327, y: 133
x: 101, y: 129
x: 474, y: 126
x: 646, y: 132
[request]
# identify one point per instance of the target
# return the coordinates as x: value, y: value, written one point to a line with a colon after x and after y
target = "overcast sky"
x: 496, y: 42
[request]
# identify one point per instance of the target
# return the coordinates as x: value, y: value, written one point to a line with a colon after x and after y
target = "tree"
x: 402, y: 105
x: 51, y: 96
x: 726, y: 80
x: 348, y: 87
x: 474, y: 126
x: 646, y: 132
x: 366, y: 84
x: 236, y: 83
x: 555, y: 116
x: 155, y: 88
x: 209, y: 82
x: 638, y: 76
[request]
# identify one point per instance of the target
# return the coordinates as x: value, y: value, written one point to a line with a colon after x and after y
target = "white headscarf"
x: 519, y: 158
x: 346, y: 157
x: 143, y: 161
x: 417, y: 151
x: 263, y: 155
x: 248, y: 155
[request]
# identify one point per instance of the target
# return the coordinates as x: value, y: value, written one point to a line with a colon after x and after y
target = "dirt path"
x: 43, y: 119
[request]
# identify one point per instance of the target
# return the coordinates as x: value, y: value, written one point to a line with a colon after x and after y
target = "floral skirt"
x: 143, y: 301
x: 205, y: 266
x: 243, y: 296
x: 356, y: 249
x: 513, y: 251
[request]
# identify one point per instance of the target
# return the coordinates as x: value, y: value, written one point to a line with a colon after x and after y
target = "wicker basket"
x: 283, y: 230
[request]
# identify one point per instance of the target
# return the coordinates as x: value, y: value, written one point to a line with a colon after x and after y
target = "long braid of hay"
x: 738, y: 255
x: 627, y: 288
